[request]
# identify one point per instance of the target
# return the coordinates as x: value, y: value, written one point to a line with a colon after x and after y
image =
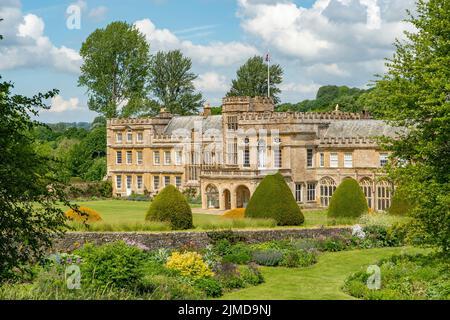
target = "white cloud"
x: 98, y: 13
x: 58, y: 104
x: 214, y: 53
x: 330, y: 31
x: 25, y: 44
x: 292, y: 87
x: 211, y: 82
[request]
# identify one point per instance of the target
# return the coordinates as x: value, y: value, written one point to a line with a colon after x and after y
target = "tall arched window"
x: 246, y: 152
x: 327, y: 188
x: 212, y: 196
x: 366, y: 186
x: 261, y: 153
x: 384, y: 191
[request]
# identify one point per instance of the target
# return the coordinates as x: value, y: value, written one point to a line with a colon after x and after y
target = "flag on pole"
x: 267, y: 57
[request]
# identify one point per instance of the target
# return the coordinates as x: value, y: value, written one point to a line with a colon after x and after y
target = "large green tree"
x: 415, y: 92
x: 29, y: 191
x: 114, y: 70
x: 251, y: 80
x: 171, y: 83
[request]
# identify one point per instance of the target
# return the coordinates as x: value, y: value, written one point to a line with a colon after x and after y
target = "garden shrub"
x: 229, y: 235
x: 250, y: 274
x: 189, y: 264
x: 115, y: 264
x: 333, y: 244
x: 80, y: 189
x: 83, y: 215
x: 298, y: 258
x: 269, y: 257
x: 228, y: 274
x: 171, y: 206
x: 273, y: 199
x: 348, y: 200
x: 400, y: 204
x: 211, y: 286
x: 238, y: 213
x: 238, y: 253
x: 405, y: 277
x: 163, y: 287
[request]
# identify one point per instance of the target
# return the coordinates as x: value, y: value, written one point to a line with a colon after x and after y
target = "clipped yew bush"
x: 171, y: 206
x: 348, y: 200
x: 273, y: 199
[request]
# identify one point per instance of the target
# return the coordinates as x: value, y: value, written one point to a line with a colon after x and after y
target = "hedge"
x: 171, y: 206
x: 273, y: 199
x: 348, y: 200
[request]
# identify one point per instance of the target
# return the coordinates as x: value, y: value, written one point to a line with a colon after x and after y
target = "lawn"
x: 123, y: 215
x: 322, y: 281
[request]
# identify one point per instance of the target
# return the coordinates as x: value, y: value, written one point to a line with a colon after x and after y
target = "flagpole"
x: 268, y: 74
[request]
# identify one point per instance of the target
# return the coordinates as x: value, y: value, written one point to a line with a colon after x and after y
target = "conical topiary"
x: 273, y: 199
x: 171, y: 206
x: 348, y: 200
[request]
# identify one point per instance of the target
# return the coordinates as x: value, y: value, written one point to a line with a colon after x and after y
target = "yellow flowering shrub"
x: 238, y: 213
x: 86, y: 215
x: 189, y: 264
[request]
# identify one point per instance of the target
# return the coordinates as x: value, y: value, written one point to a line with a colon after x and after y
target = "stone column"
x: 202, y: 192
x: 221, y: 199
x: 233, y: 197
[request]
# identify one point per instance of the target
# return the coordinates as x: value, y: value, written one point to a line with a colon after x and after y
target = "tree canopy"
x: 415, y: 92
x: 29, y: 191
x: 251, y: 80
x: 115, y: 69
x: 171, y: 84
x: 327, y: 97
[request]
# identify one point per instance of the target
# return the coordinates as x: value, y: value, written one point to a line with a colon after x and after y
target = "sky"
x: 317, y: 42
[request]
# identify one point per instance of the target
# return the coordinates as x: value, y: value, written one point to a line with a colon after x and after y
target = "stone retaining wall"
x: 175, y: 240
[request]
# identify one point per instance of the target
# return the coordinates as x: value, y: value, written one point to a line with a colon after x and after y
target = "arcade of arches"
x: 229, y: 196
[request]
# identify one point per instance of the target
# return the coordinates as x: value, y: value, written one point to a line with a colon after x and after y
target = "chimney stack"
x: 206, y: 110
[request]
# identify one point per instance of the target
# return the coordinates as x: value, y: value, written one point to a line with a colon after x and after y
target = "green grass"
x: 123, y: 215
x: 322, y: 281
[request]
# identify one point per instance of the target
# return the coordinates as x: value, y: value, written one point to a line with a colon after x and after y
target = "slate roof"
x: 361, y: 128
x: 188, y: 122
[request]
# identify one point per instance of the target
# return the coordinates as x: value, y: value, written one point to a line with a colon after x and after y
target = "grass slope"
x: 322, y: 281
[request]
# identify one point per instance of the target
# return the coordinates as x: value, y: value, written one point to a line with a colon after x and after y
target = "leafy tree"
x: 83, y: 158
x: 251, y: 80
x: 171, y: 83
x: 115, y: 68
x: 327, y: 97
x: 29, y: 192
x: 415, y: 92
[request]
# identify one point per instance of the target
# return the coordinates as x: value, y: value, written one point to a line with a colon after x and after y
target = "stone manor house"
x: 224, y: 157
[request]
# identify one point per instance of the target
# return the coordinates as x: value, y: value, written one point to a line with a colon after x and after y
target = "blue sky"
x: 317, y: 42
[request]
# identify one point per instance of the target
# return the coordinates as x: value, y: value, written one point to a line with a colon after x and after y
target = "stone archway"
x: 242, y: 196
x: 212, y: 197
x: 227, y: 199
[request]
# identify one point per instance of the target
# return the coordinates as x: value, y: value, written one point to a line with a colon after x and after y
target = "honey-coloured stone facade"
x: 224, y: 157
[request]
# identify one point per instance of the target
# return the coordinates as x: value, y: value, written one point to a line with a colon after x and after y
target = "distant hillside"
x: 327, y: 97
x: 63, y: 126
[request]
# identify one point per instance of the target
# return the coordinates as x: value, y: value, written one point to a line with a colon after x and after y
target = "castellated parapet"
x: 247, y: 104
